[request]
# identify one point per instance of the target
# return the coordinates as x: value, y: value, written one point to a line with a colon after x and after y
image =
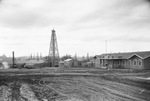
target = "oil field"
x: 74, y: 84
x: 103, y: 52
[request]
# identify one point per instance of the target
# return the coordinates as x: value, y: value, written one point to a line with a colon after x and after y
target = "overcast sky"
x: 82, y: 26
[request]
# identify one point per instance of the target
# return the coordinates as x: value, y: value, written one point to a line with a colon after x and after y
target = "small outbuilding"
x: 68, y: 63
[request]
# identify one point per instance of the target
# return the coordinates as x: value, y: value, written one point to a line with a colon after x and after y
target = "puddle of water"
x: 25, y: 91
x: 30, y: 90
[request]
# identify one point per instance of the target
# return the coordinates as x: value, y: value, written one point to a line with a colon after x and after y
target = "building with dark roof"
x: 134, y: 60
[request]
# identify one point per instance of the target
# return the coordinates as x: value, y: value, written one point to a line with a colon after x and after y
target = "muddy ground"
x: 77, y: 84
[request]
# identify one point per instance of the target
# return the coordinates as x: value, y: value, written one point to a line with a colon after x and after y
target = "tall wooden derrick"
x: 53, y: 50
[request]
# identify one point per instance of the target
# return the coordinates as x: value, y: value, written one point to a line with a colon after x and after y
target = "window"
x: 140, y: 62
x: 129, y: 62
x: 100, y: 61
x: 135, y: 62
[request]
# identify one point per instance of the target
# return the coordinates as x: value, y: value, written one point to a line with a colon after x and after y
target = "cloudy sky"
x: 82, y: 26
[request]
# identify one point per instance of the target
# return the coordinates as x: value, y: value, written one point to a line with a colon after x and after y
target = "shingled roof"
x: 125, y: 55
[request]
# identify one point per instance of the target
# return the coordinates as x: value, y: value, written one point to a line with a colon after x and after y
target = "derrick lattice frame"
x: 53, y: 50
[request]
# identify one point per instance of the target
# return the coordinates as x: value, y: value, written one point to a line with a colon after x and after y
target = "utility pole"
x: 13, y: 59
x: 88, y: 57
x: 106, y: 46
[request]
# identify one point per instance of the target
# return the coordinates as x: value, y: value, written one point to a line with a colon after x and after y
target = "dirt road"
x: 69, y: 87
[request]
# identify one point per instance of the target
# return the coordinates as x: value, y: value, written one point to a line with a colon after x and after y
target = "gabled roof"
x: 125, y: 55
x: 142, y: 55
x: 9, y: 61
x: 67, y: 60
x: 3, y: 56
x: 135, y: 55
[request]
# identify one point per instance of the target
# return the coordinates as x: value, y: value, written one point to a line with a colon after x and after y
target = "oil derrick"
x: 53, y: 50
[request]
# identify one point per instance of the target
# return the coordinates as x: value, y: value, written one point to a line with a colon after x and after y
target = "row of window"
x: 114, y: 62
x: 110, y: 57
x: 118, y: 62
x: 136, y: 62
